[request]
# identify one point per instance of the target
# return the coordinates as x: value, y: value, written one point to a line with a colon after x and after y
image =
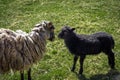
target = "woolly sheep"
x: 82, y: 45
x: 19, y: 50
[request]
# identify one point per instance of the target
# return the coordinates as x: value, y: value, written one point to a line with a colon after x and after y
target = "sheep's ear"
x: 72, y: 29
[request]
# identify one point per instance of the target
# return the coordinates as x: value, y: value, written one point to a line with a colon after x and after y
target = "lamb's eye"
x: 64, y: 31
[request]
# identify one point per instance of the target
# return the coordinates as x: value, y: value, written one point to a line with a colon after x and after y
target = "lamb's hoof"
x: 113, y: 68
x: 80, y: 75
x: 80, y: 72
x: 72, y: 69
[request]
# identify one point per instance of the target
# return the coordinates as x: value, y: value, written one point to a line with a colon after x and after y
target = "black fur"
x: 82, y: 45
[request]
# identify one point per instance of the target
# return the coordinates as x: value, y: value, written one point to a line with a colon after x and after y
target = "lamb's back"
x: 106, y: 39
x: 84, y: 44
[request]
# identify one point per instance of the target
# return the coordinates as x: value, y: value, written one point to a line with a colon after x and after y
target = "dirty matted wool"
x: 19, y: 50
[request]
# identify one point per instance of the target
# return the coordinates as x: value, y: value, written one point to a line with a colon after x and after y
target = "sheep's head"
x: 65, y: 32
x: 46, y: 27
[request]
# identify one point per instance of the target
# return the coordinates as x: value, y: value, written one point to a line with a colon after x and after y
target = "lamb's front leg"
x: 29, y: 74
x: 74, y: 63
x: 82, y: 57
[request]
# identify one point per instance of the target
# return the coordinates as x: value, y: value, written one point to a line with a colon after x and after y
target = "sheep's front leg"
x: 29, y: 74
x: 82, y: 57
x: 74, y: 63
x: 22, y: 75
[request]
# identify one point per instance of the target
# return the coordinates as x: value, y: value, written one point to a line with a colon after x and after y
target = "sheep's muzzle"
x: 52, y: 36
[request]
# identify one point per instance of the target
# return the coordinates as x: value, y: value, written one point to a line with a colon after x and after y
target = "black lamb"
x: 82, y: 45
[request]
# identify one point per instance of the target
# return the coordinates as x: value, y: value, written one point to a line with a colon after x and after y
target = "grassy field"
x: 87, y: 16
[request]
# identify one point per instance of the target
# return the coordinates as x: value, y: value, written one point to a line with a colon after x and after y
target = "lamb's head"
x: 47, y: 28
x: 66, y: 32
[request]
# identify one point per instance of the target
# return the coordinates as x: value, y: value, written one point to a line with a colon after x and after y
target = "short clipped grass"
x: 87, y: 16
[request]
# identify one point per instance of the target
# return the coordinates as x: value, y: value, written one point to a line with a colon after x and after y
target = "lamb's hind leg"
x: 82, y: 57
x: 111, y: 59
x: 74, y: 63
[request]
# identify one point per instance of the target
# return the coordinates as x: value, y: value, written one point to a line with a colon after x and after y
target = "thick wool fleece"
x: 20, y: 50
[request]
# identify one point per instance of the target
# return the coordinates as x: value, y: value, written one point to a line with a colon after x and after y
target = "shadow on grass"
x: 111, y: 75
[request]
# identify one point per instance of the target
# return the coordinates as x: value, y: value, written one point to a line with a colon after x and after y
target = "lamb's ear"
x: 72, y: 29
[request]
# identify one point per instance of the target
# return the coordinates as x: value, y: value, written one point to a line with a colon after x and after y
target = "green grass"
x: 87, y: 16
